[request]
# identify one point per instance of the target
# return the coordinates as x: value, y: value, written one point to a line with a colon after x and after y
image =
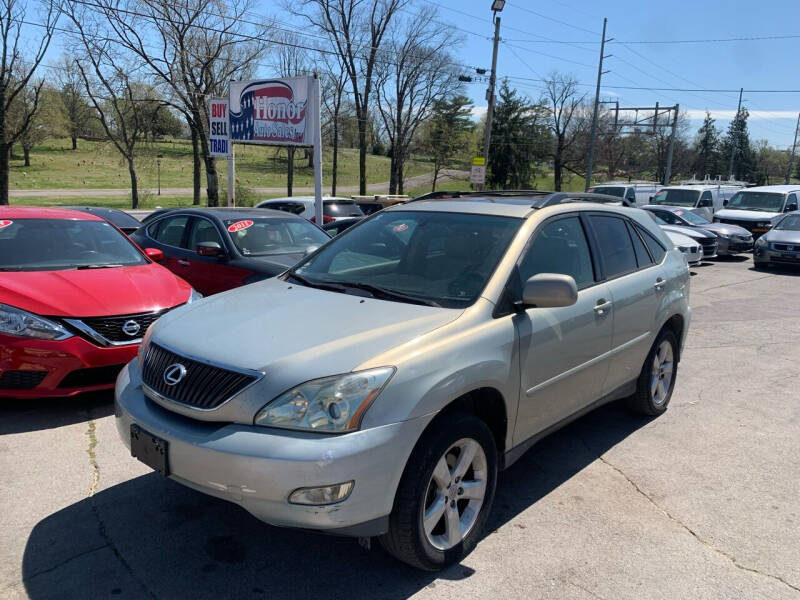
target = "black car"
x: 336, y: 227
x: 216, y: 249
x: 533, y: 198
x: 122, y: 220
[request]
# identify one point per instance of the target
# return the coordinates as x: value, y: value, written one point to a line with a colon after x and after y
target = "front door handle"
x: 602, y: 306
x: 183, y: 263
x: 659, y: 284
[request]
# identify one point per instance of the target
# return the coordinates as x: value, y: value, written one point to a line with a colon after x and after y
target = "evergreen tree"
x: 738, y: 139
x: 707, y: 150
x: 447, y: 134
x: 519, y: 137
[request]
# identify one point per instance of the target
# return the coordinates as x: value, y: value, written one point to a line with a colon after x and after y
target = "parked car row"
x: 447, y: 372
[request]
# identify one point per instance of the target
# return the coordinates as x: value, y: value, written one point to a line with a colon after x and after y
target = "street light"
x: 498, y: 5
x: 158, y: 162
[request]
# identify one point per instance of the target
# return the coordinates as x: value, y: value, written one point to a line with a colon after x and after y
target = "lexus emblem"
x: 131, y: 328
x: 174, y: 373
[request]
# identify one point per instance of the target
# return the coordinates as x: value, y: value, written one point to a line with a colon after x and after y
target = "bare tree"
x: 356, y: 28
x: 564, y: 104
x: 193, y: 48
x: 120, y: 101
x: 421, y: 72
x: 16, y: 70
x: 293, y: 61
x: 78, y: 112
x: 333, y: 83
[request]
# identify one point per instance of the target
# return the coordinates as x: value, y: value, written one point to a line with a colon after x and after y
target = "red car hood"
x: 93, y: 292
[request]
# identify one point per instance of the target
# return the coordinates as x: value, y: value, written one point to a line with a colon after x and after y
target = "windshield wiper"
x: 333, y: 287
x: 81, y: 267
x: 380, y: 292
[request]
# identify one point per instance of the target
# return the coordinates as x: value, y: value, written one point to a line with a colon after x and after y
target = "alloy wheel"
x: 661, y: 375
x: 455, y: 494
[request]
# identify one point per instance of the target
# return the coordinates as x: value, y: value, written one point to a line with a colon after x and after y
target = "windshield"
x: 676, y: 197
x: 269, y: 236
x: 758, y: 201
x: 691, y: 217
x: 611, y: 191
x: 437, y: 258
x: 55, y: 244
x: 789, y: 223
x: 341, y: 208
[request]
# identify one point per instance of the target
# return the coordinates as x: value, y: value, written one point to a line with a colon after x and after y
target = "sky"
x: 534, y: 45
x: 540, y: 37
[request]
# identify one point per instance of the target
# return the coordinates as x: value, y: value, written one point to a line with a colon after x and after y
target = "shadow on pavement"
x: 21, y: 415
x: 151, y: 537
x: 778, y: 269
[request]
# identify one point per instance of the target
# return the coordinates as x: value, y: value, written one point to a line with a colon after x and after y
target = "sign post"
x: 219, y: 141
x: 477, y: 174
x: 317, y: 153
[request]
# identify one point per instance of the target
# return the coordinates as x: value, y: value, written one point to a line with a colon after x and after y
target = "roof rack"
x: 447, y: 195
x: 717, y: 181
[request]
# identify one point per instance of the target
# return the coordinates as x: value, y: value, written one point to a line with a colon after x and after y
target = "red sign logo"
x: 5, y: 223
x: 239, y: 225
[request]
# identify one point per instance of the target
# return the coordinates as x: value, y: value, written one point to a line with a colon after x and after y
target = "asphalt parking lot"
x: 703, y: 502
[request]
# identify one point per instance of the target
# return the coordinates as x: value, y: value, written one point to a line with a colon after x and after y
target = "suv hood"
x: 745, y: 215
x: 93, y: 292
x: 294, y: 331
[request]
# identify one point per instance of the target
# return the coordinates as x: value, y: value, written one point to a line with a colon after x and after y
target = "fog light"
x: 320, y: 496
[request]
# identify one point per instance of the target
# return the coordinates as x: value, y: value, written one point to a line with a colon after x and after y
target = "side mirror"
x: 791, y: 207
x: 209, y: 249
x: 651, y: 198
x: 724, y: 203
x: 550, y: 290
x: 154, y: 254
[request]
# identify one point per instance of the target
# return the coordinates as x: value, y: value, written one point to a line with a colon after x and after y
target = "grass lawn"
x: 98, y: 165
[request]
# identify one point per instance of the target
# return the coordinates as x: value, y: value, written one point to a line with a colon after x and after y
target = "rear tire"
x: 657, y: 378
x: 442, y: 502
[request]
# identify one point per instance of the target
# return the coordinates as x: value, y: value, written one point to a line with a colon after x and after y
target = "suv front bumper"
x: 259, y: 467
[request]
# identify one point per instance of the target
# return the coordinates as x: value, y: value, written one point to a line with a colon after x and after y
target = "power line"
x: 716, y: 41
x: 533, y: 12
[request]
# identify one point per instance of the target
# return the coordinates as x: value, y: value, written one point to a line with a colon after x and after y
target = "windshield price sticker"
x: 5, y: 223
x: 239, y: 226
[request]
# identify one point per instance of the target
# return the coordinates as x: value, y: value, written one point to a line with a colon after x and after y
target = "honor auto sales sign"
x: 272, y: 111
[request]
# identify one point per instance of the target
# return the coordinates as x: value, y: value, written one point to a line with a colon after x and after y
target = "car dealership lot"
x: 700, y: 503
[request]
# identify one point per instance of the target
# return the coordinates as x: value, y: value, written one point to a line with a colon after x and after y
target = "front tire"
x: 657, y: 377
x: 445, y: 495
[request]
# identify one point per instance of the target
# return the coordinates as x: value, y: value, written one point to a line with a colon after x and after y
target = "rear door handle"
x: 659, y: 284
x: 601, y: 306
x: 183, y: 263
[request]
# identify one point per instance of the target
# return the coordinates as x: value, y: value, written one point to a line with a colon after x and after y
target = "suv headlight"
x: 15, y: 321
x: 331, y: 404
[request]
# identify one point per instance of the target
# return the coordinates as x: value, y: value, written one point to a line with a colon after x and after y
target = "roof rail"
x: 447, y: 195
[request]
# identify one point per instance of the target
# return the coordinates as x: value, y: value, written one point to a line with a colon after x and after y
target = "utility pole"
x: 668, y: 170
x: 735, y: 141
x: 487, y: 132
x: 791, y: 156
x: 600, y: 73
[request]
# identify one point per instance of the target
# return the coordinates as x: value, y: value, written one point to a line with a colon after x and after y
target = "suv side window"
x: 657, y: 251
x: 559, y: 247
x: 616, y: 249
x: 791, y: 199
x: 170, y: 231
x: 642, y: 256
x: 203, y: 231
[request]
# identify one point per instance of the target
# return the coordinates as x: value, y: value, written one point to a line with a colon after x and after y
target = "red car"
x: 76, y: 297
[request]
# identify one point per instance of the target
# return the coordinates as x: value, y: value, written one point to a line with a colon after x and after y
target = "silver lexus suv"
x: 376, y: 388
